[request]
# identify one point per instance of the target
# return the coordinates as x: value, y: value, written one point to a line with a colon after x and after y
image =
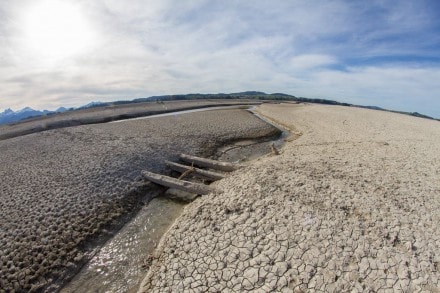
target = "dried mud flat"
x: 351, y: 205
x: 107, y: 114
x: 62, y: 188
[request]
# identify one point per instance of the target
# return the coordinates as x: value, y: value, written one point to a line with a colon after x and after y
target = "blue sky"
x: 383, y: 53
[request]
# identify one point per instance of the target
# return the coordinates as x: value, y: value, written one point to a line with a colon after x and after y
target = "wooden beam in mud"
x: 208, y: 163
x: 176, y: 183
x: 195, y: 171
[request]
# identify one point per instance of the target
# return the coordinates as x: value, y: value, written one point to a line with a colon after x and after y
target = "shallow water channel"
x: 183, y: 112
x: 122, y: 262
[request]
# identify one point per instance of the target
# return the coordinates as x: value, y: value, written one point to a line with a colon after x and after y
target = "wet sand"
x: 63, y: 191
x: 352, y: 204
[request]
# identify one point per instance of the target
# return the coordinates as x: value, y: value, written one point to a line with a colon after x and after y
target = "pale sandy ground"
x: 351, y: 205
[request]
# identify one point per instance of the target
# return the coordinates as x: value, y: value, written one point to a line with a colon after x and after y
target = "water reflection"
x: 120, y: 265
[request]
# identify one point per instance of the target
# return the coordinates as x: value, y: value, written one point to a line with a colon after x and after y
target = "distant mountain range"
x: 10, y: 116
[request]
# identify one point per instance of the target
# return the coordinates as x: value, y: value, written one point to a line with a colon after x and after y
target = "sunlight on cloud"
x: 54, y: 30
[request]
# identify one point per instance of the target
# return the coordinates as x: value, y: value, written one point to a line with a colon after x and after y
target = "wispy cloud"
x: 311, y: 62
x: 395, y: 87
x: 367, y: 52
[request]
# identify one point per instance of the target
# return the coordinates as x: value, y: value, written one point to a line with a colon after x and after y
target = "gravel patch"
x: 63, y: 188
x: 351, y: 205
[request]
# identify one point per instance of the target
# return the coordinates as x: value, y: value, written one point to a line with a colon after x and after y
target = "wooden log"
x: 208, y: 163
x: 176, y: 183
x: 205, y: 174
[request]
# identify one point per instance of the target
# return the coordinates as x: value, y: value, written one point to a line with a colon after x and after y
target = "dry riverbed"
x: 351, y: 205
x: 65, y: 190
x: 107, y: 114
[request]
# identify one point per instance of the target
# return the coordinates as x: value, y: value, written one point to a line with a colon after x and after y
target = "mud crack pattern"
x: 352, y: 205
x: 60, y: 189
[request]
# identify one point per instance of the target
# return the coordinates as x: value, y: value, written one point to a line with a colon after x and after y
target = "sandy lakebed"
x: 64, y: 191
x: 352, y: 204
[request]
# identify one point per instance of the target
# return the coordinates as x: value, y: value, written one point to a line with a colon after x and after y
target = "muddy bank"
x: 107, y: 114
x: 64, y: 189
x: 122, y: 262
x: 119, y: 266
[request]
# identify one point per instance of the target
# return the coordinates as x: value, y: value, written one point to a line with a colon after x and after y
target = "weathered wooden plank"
x: 176, y: 183
x: 208, y: 163
x: 205, y: 174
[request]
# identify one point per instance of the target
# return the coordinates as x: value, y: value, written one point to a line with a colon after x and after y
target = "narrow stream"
x: 251, y: 149
x: 183, y: 112
x: 121, y: 264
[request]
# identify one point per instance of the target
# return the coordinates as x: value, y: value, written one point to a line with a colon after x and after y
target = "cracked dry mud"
x: 59, y: 189
x: 351, y: 205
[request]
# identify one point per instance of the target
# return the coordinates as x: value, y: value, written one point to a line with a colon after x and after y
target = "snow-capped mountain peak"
x: 7, y: 112
x: 26, y: 109
x: 10, y: 116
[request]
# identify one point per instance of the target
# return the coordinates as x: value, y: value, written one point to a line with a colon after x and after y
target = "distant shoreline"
x: 109, y: 114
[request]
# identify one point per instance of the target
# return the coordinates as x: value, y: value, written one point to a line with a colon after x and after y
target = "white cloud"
x: 395, y: 87
x: 311, y: 61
